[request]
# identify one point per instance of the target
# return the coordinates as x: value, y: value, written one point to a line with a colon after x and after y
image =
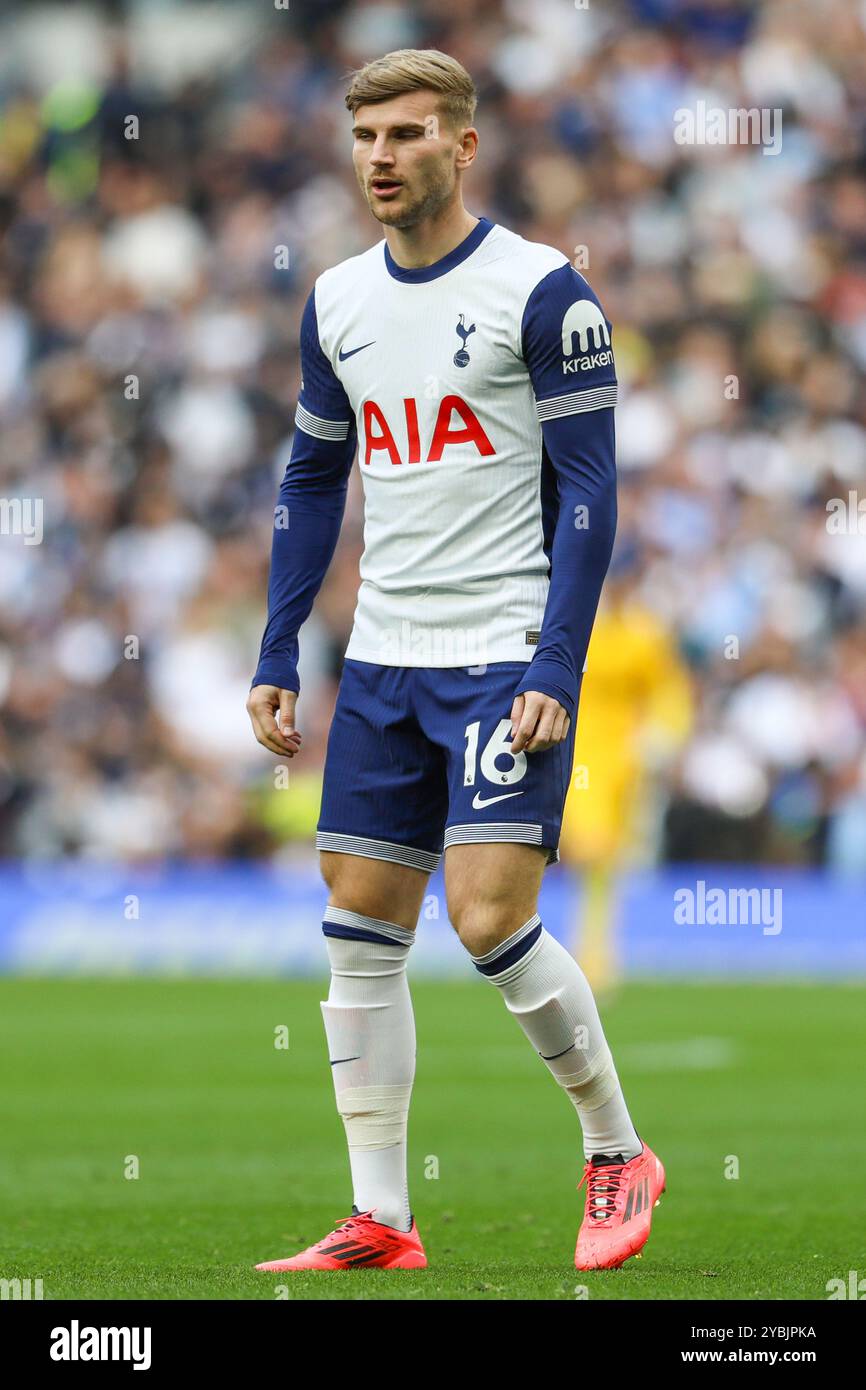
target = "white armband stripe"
x: 575, y: 402
x: 320, y: 428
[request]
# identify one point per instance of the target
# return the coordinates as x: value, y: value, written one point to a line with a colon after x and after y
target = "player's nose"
x: 381, y: 155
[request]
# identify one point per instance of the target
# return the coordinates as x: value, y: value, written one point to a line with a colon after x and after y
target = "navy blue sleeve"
x: 567, y: 350
x: 310, y: 506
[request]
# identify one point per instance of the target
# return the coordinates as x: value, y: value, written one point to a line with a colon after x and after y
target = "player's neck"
x: 430, y: 240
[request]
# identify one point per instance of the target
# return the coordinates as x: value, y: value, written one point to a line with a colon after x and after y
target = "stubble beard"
x: 434, y: 198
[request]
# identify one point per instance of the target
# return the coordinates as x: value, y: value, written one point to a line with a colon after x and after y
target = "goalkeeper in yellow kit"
x: 635, y: 714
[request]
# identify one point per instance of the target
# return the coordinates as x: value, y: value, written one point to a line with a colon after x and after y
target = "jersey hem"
x: 514, y: 652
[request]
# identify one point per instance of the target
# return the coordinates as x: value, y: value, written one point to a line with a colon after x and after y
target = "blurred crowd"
x: 172, y: 180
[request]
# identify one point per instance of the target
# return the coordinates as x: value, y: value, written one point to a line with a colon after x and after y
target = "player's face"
x: 407, y: 156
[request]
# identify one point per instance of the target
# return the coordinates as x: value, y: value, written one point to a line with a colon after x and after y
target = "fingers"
x: 269, y: 736
x: 542, y: 723
x: 288, y: 700
x: 262, y: 703
x: 561, y: 725
x: 516, y: 712
x: 543, y: 736
x: 527, y: 720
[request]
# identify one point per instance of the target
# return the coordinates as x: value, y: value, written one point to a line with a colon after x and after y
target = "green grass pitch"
x: 241, y: 1155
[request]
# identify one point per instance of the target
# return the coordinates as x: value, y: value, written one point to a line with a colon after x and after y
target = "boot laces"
x: 345, y: 1223
x: 603, y: 1182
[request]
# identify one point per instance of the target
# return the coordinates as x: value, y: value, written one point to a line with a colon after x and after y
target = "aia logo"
x: 467, y: 429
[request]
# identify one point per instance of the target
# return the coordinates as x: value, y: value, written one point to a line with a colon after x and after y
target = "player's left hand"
x: 537, y: 722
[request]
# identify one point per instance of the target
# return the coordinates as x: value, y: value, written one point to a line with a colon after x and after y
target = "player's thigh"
x: 384, y: 785
x: 491, y: 889
x: 374, y: 887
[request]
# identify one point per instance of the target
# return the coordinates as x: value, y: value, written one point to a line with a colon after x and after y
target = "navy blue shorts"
x: 418, y: 759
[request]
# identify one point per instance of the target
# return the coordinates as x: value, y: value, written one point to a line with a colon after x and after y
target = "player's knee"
x: 371, y: 888
x: 351, y: 883
x: 482, y: 925
x: 331, y: 868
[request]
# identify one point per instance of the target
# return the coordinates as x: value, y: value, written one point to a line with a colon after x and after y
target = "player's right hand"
x: 272, y: 713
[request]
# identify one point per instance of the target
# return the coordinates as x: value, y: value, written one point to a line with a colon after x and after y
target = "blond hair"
x: 414, y: 70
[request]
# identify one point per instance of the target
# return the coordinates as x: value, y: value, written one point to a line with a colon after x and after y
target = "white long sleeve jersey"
x: 448, y: 374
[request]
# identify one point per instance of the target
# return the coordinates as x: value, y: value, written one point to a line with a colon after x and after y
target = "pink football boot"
x: 620, y: 1198
x: 358, y: 1242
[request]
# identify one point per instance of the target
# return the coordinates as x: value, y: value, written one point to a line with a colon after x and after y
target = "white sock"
x: 370, y: 1029
x: 548, y: 993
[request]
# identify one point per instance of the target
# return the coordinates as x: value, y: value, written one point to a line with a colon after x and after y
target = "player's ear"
x: 467, y: 147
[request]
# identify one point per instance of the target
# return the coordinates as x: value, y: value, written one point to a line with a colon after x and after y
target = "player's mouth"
x: 385, y: 188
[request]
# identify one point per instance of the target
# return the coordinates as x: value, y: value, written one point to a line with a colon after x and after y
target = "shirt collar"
x: 416, y: 275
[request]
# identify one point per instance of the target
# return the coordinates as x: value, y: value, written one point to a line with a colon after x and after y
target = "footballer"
x: 473, y: 374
